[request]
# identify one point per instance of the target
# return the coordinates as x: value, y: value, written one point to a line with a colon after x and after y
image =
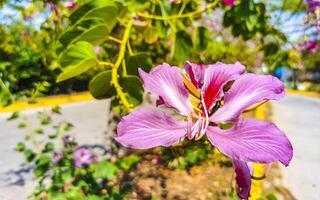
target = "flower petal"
x: 248, y: 90
x: 195, y: 72
x: 148, y: 127
x: 216, y: 76
x: 243, y: 178
x: 252, y: 140
x: 166, y: 82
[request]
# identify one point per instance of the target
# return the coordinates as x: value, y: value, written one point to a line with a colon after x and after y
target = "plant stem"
x: 106, y: 63
x: 118, y: 62
x: 114, y: 39
x: 186, y: 15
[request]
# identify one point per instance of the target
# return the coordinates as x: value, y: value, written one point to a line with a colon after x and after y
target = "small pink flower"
x: 229, y: 2
x: 57, y: 156
x: 83, y: 157
x: 97, y: 50
x: 202, y: 105
x: 70, y: 5
x: 174, y: 1
x: 155, y: 161
x: 313, y: 5
x: 310, y: 46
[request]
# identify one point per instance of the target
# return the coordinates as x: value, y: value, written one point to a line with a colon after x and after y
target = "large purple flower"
x: 204, y: 98
x: 313, y: 5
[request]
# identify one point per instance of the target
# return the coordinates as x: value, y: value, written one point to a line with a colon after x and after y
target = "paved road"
x: 299, y: 117
x: 89, y: 119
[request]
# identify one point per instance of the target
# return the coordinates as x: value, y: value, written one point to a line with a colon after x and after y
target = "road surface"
x: 299, y: 117
x: 90, y: 123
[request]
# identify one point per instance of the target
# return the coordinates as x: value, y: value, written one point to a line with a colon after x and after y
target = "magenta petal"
x: 243, y: 178
x: 252, y: 140
x: 166, y: 82
x: 216, y: 76
x: 195, y: 72
x: 148, y: 127
x: 248, y: 90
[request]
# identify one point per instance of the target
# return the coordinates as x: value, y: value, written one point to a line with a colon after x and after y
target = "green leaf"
x: 13, y: 116
x: 132, y: 86
x: 92, y: 9
x: 76, y: 70
x: 29, y: 155
x: 42, y: 165
x: 38, y: 131
x: 94, y: 197
x: 128, y: 162
x: 49, y: 147
x: 56, y: 109
x: 77, y: 59
x: 150, y: 35
x: 136, y: 5
x: 183, y: 46
x: 20, y: 147
x: 107, y: 13
x: 100, y: 86
x: 74, y: 31
x: 104, y: 169
x: 202, y: 38
x: 139, y: 60
x: 77, y: 53
x: 95, y: 35
x: 22, y: 125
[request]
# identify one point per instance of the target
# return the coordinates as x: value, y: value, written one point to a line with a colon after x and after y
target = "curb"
x: 303, y: 93
x: 258, y: 169
x: 48, y: 101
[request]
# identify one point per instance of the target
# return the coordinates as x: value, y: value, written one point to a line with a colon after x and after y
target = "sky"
x: 292, y: 26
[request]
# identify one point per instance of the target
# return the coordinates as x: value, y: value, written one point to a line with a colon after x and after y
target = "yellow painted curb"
x: 258, y: 169
x: 303, y: 93
x: 48, y: 101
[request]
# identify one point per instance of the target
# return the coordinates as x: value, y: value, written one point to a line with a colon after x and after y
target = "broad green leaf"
x: 202, y: 38
x: 136, y: 5
x: 150, y: 35
x: 107, y: 13
x: 75, y: 70
x: 132, y: 86
x: 100, y: 86
x: 77, y: 53
x: 77, y: 59
x: 86, y: 8
x: 94, y: 35
x: 140, y: 60
x: 183, y: 46
x: 77, y: 29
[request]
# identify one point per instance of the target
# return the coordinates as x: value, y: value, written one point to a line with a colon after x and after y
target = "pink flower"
x: 174, y: 1
x: 83, y: 157
x: 310, y: 46
x: 70, y: 5
x: 202, y: 103
x: 229, y: 2
x: 57, y: 156
x: 313, y: 5
x: 97, y: 50
x: 155, y: 161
